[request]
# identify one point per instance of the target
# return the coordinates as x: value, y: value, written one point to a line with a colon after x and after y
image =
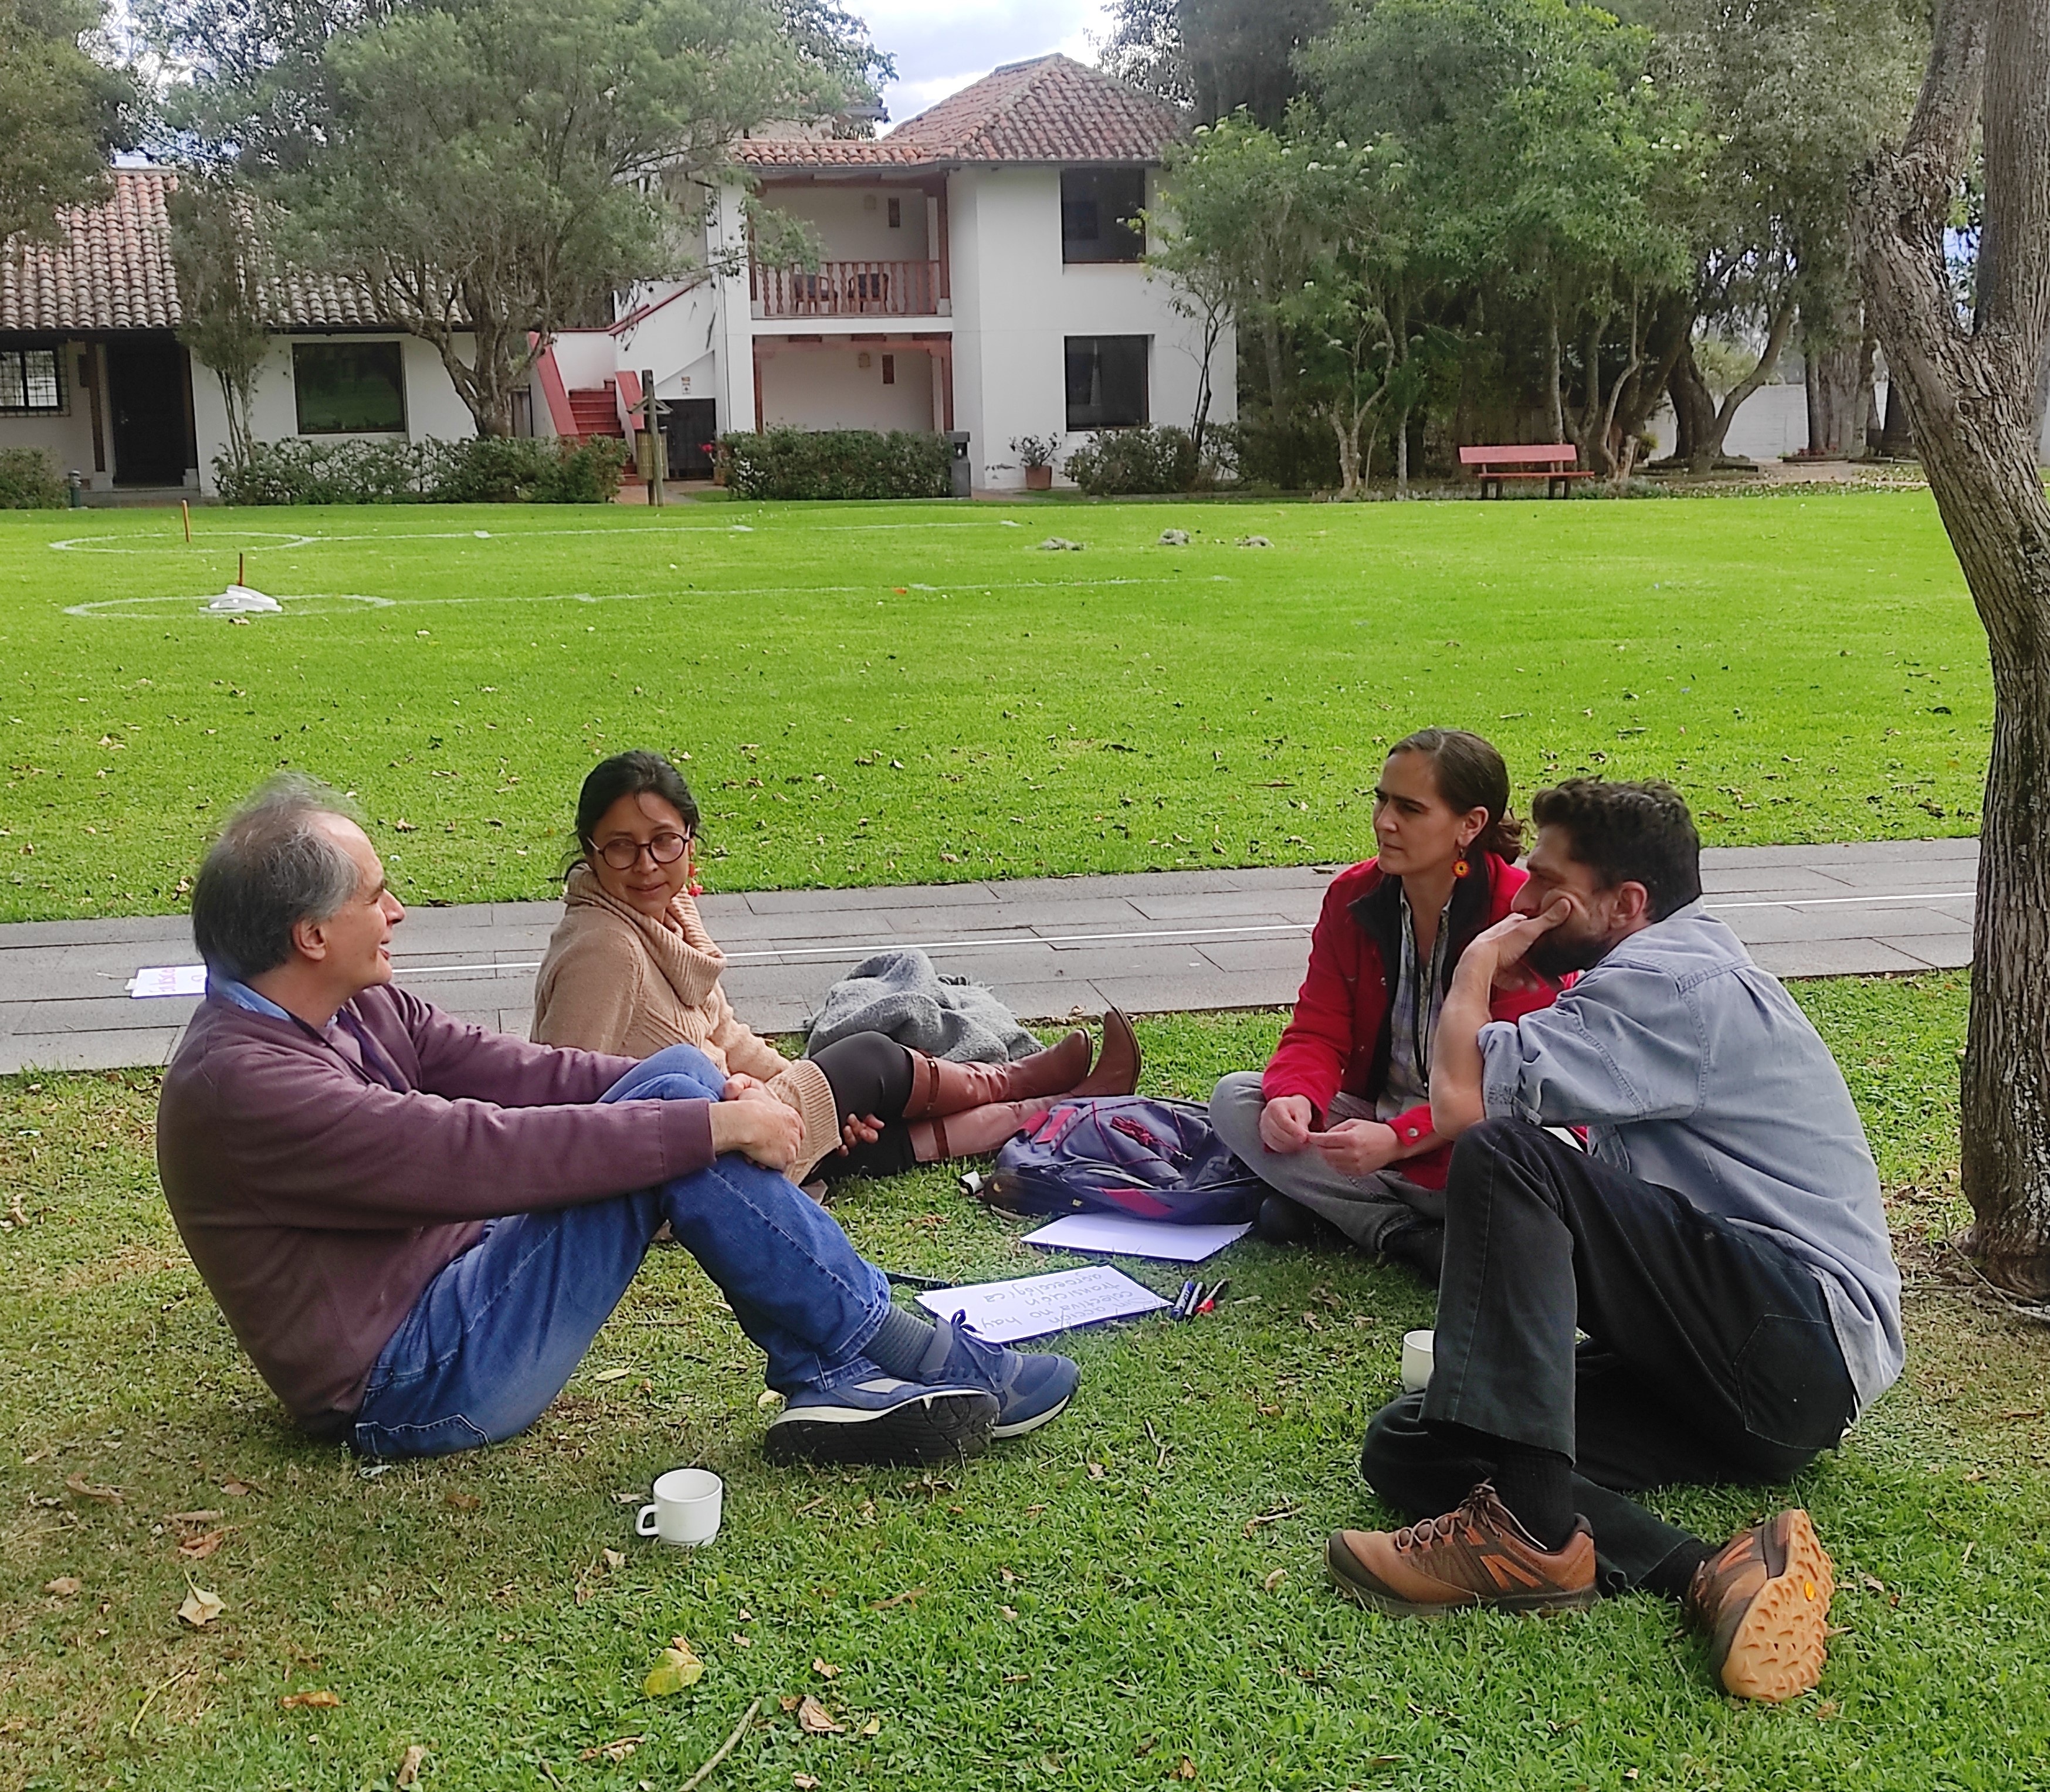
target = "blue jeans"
x: 493, y: 1337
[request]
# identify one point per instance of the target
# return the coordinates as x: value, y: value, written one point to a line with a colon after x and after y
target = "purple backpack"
x: 1124, y: 1154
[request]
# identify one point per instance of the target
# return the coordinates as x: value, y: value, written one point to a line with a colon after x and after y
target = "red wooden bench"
x: 1554, y: 462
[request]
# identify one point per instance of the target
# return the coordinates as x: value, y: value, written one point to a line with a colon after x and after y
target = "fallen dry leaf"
x: 322, y: 1700
x: 1008, y: 1611
x: 461, y: 1502
x: 237, y: 1490
x: 1186, y: 1771
x: 85, y: 1490
x: 616, y: 1750
x: 409, y: 1766
x: 817, y: 1720
x: 823, y: 1668
x: 675, y: 1668
x: 198, y: 1548
x: 1096, y: 1471
x: 872, y: 1727
x: 612, y: 1375
x: 63, y: 1586
x: 200, y: 1607
x: 904, y: 1598
x: 804, y: 1783
x: 211, y: 1516
x: 789, y: 1701
x: 1274, y: 1579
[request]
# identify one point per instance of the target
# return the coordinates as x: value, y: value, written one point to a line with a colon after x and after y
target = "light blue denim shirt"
x: 1692, y: 1068
x: 242, y: 995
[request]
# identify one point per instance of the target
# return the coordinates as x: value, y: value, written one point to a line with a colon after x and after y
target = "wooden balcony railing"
x: 846, y: 289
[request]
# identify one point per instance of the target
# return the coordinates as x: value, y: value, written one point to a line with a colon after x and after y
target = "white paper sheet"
x: 168, y: 980
x: 1117, y: 1236
x: 1034, y: 1306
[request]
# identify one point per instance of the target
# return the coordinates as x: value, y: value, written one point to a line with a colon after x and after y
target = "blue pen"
x: 1180, y: 1308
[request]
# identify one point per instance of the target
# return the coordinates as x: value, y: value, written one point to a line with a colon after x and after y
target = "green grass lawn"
x: 1135, y: 1587
x: 911, y: 692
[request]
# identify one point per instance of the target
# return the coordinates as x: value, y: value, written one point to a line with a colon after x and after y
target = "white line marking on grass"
x: 262, y: 541
x: 150, y: 609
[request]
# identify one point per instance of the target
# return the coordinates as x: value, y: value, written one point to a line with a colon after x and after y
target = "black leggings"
x: 869, y: 1074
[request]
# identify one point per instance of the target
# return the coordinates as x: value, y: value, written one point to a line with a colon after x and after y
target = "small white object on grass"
x: 242, y: 600
x: 1419, y: 1356
x: 481, y: 534
x: 1174, y: 538
x: 1060, y: 544
x: 1254, y: 541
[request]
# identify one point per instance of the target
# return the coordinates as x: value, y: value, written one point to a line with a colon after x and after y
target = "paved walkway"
x: 1154, y: 942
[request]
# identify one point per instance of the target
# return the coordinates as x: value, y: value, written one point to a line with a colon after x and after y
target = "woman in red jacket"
x: 1338, y: 1125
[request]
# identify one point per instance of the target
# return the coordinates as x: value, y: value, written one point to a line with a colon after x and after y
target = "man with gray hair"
x: 415, y: 1227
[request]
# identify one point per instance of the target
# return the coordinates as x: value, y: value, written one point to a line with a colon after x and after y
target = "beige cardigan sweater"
x: 614, y: 980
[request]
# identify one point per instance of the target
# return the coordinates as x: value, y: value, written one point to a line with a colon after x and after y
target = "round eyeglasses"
x: 665, y: 849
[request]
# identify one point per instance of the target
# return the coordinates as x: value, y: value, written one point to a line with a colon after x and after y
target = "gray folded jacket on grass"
x: 900, y: 994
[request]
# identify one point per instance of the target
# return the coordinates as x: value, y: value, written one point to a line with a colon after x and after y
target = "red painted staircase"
x: 595, y: 411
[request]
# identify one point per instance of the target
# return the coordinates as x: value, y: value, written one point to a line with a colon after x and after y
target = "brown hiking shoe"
x: 1764, y: 1599
x: 1478, y: 1555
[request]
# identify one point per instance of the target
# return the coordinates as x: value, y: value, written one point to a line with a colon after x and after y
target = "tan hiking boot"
x: 1763, y: 1601
x: 1478, y: 1555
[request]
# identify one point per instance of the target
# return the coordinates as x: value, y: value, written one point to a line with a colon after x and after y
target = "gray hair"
x: 272, y: 867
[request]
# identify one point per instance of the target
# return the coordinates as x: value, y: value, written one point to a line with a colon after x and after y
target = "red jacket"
x: 1338, y: 1038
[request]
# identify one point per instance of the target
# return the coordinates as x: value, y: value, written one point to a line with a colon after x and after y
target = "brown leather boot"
x: 1117, y: 1071
x: 939, y: 1087
x: 975, y: 1131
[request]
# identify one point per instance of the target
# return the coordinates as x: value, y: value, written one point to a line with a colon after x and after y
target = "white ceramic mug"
x: 685, y: 1508
x: 1419, y: 1349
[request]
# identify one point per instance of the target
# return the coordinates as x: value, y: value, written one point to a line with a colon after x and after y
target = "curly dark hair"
x: 1629, y: 833
x: 1470, y: 775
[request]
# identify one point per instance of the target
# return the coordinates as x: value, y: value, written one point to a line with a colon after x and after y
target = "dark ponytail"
x: 1470, y: 775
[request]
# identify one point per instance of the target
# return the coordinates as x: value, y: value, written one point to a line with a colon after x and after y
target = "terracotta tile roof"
x: 1051, y: 109
x: 112, y: 270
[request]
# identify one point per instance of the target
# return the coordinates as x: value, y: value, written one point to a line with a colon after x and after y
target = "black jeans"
x: 1711, y: 1357
x: 869, y: 1074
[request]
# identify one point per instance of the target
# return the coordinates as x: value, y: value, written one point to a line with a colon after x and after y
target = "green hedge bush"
x: 480, y: 470
x: 1117, y: 463
x: 29, y: 480
x: 839, y: 463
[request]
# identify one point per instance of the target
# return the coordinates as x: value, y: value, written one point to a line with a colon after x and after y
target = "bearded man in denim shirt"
x: 1719, y: 1241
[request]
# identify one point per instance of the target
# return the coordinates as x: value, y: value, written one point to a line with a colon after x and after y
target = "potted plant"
x: 1035, y: 455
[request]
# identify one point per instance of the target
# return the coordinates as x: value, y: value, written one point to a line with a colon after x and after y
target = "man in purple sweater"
x: 415, y: 1227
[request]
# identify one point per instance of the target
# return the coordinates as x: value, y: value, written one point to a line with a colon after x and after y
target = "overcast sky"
x: 940, y: 45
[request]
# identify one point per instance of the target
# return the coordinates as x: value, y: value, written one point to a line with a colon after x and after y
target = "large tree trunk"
x: 1709, y: 449
x: 1971, y: 391
x: 1836, y: 413
x: 1554, y: 396
x: 1693, y: 411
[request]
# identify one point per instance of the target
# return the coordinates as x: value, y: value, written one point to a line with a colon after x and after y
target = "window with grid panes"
x: 31, y: 380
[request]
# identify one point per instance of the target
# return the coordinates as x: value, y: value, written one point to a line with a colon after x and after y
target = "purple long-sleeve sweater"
x: 319, y: 1187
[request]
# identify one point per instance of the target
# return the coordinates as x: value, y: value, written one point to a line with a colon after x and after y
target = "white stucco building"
x: 976, y: 272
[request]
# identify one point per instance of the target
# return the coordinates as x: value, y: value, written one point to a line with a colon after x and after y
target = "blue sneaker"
x: 870, y: 1416
x: 1030, y: 1390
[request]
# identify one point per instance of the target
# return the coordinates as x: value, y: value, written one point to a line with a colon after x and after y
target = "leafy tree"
x: 490, y: 170
x: 1552, y: 166
x: 218, y: 249
x: 1971, y: 374
x: 1794, y: 94
x: 1217, y: 56
x: 62, y: 113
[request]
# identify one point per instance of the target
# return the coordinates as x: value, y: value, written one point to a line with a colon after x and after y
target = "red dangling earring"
x: 1461, y: 867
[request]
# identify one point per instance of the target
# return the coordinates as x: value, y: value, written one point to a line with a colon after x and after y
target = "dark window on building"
x: 896, y: 214
x: 1106, y: 381
x: 889, y: 370
x: 31, y: 380
x: 349, y: 388
x: 1099, y: 214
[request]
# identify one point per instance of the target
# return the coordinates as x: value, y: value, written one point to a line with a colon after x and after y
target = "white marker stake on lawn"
x: 1115, y: 1235
x: 1034, y: 1306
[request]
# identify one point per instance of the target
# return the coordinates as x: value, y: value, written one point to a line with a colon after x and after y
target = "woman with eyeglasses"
x: 630, y: 970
